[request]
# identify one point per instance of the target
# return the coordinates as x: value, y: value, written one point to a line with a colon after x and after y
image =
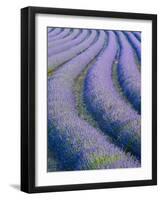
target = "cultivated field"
x: 94, y: 99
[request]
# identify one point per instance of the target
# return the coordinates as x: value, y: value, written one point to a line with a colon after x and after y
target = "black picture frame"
x: 28, y: 98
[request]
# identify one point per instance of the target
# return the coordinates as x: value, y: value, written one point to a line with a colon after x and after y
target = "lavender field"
x: 94, y: 99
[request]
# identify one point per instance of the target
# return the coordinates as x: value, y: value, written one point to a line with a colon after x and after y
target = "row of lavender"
x: 75, y: 143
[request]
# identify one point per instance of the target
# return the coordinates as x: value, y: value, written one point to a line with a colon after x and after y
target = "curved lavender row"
x: 137, y: 35
x: 77, y: 144
x: 128, y: 74
x: 50, y: 30
x: 68, y: 42
x: 58, y: 59
x: 107, y: 106
x: 135, y: 44
x: 55, y: 32
x: 70, y: 37
x: 60, y: 36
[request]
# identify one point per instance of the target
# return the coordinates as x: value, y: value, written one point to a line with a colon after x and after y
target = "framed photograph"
x: 88, y: 99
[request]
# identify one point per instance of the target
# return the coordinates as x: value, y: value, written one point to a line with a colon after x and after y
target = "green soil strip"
x: 79, y: 97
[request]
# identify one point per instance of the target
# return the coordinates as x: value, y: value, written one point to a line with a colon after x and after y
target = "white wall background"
x: 10, y: 98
